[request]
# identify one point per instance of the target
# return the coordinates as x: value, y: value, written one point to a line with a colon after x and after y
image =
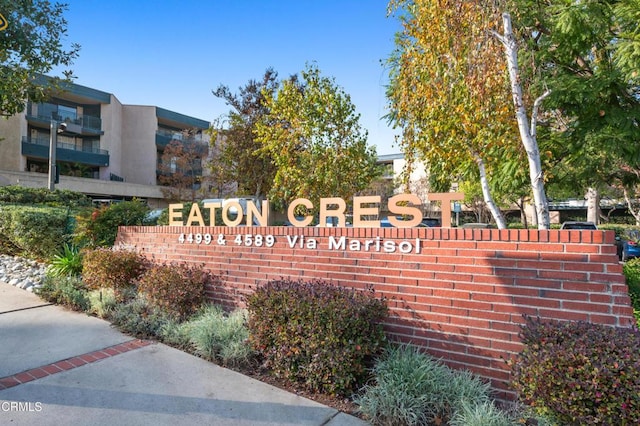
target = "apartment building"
x: 107, y: 150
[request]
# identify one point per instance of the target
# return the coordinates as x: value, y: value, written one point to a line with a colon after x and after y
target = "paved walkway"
x: 62, y: 367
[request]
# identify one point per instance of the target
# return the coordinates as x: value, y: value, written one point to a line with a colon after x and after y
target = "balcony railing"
x: 39, y: 148
x: 45, y: 112
x: 164, y: 137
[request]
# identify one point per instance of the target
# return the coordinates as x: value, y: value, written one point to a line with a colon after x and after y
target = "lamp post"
x: 53, y: 143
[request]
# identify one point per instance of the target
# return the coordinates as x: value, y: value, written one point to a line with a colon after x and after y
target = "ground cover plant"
x: 409, y: 387
x: 67, y: 290
x: 631, y: 270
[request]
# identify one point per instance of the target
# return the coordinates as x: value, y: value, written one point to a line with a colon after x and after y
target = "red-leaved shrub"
x: 177, y: 288
x: 580, y: 373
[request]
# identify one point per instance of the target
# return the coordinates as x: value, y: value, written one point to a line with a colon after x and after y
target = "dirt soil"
x: 342, y: 404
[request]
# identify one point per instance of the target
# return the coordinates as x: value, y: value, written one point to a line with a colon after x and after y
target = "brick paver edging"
x: 71, y: 363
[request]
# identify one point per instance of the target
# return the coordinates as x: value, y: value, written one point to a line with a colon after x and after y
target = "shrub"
x: 115, y: 269
x: 483, y: 414
x: 412, y: 388
x: 102, y: 302
x: 579, y: 373
x: 139, y: 318
x: 315, y: 333
x: 217, y: 336
x: 67, y: 262
x: 99, y: 227
x: 177, y: 288
x: 177, y: 334
x: 37, y: 232
x: 66, y: 290
x: 631, y: 269
x: 29, y: 196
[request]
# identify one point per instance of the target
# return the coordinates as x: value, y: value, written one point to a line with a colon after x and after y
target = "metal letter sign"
x: 3, y: 23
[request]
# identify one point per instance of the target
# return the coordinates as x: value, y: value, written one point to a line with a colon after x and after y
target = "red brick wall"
x: 462, y: 297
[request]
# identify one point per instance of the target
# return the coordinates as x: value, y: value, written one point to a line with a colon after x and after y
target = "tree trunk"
x: 486, y: 193
x: 634, y: 213
x: 527, y: 133
x: 593, y: 205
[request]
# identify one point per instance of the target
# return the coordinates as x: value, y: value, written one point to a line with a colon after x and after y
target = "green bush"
x: 65, y: 290
x: 118, y: 270
x: 102, y: 302
x: 412, y: 388
x: 29, y: 196
x: 67, y: 262
x: 316, y: 334
x: 579, y: 373
x: 631, y: 269
x: 37, y: 232
x: 139, y: 318
x: 221, y: 337
x: 177, y: 288
x: 99, y: 227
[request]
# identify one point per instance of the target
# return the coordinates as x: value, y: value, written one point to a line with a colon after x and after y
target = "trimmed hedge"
x: 29, y: 196
x: 37, y: 232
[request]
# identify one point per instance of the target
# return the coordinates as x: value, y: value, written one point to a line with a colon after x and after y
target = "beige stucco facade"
x: 109, y: 150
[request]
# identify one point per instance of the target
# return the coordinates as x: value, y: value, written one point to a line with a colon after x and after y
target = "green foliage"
x: 118, y: 270
x: 37, y: 232
x: 315, y: 333
x: 139, y: 318
x: 31, y: 46
x: 68, y: 262
x: 102, y: 302
x: 631, y: 269
x: 240, y: 160
x: 177, y: 288
x: 412, y: 388
x: 483, y: 414
x: 579, y: 373
x: 217, y: 336
x: 64, y: 290
x: 99, y: 227
x: 313, y: 135
x: 585, y: 53
x: 29, y: 196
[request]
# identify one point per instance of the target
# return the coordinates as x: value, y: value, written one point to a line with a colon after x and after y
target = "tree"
x: 448, y: 92
x: 31, y: 46
x: 528, y: 132
x: 240, y: 159
x: 587, y: 54
x: 180, y: 169
x: 314, y: 137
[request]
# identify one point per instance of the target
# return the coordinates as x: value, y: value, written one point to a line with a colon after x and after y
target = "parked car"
x: 628, y: 244
x: 579, y: 225
x: 430, y: 222
x: 476, y: 225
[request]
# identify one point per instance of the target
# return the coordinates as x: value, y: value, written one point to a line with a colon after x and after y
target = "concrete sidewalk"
x: 63, y: 367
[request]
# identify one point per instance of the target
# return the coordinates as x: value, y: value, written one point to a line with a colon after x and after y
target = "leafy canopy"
x: 31, y: 46
x: 314, y: 137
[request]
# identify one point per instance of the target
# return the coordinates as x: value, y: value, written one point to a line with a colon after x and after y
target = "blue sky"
x: 172, y: 54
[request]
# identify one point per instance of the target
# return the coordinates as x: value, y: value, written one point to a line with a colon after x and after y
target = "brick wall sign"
x: 460, y: 293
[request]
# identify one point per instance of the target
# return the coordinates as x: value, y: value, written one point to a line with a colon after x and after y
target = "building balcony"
x: 39, y: 148
x: 164, y: 137
x: 42, y: 114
